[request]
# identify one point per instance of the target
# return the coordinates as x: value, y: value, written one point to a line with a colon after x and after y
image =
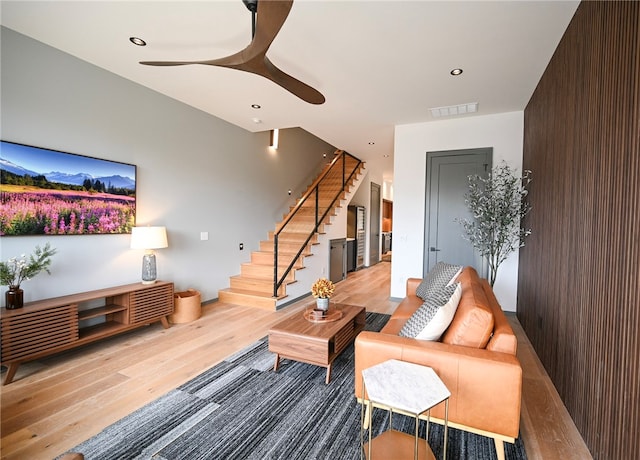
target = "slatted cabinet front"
x: 150, y: 304
x: 38, y: 331
x: 52, y: 325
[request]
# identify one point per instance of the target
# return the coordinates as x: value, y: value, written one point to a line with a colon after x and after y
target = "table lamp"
x: 149, y: 238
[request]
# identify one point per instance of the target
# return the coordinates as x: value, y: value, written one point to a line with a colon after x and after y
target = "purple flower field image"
x: 45, y: 192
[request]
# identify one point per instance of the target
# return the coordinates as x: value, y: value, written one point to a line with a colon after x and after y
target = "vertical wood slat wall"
x: 579, y: 278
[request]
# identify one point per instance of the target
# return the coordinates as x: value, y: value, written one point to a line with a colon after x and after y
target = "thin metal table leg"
x: 370, y: 408
x: 362, y: 424
x: 415, y: 446
x: 446, y: 427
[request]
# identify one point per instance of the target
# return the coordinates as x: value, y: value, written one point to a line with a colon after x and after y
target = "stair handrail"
x: 339, y: 155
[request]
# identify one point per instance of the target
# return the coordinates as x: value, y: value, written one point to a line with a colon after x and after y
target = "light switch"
x: 204, y: 236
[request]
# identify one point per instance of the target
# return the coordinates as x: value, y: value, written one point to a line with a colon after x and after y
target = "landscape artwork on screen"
x: 47, y: 192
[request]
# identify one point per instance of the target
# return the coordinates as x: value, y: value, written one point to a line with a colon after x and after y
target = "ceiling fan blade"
x: 293, y: 85
x: 271, y: 17
x: 231, y: 61
x: 168, y: 63
x: 259, y: 65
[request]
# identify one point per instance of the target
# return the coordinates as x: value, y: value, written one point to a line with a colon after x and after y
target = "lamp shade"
x: 148, y: 238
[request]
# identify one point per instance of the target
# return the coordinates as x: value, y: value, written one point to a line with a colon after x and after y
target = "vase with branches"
x: 498, y: 205
x: 18, y: 269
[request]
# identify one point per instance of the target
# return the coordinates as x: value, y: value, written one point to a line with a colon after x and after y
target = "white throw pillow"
x: 443, y: 317
x: 435, y: 314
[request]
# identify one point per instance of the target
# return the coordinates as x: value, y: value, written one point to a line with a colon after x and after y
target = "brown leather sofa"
x: 475, y: 358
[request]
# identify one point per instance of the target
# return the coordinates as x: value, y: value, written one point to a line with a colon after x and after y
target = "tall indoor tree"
x: 497, y: 204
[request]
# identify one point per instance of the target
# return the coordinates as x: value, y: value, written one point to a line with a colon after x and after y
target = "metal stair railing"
x: 337, y: 169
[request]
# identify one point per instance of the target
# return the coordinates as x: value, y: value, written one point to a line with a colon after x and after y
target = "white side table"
x: 406, y: 388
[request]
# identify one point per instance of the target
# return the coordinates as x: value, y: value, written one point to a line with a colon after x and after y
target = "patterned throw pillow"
x: 438, y: 277
x: 434, y: 316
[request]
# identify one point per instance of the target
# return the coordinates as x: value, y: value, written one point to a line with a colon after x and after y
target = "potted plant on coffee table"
x: 322, y: 290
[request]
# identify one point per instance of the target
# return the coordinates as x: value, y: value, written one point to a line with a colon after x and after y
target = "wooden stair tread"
x: 280, y: 265
x: 248, y: 299
x: 247, y: 292
x: 263, y: 271
x: 281, y: 254
x: 257, y: 280
x: 281, y: 243
x: 292, y: 248
x: 291, y: 235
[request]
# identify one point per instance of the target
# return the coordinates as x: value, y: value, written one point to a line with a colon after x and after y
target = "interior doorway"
x: 446, y: 185
x: 374, y: 225
x: 387, y: 229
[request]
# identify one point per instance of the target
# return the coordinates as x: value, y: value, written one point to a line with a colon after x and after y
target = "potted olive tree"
x: 497, y: 204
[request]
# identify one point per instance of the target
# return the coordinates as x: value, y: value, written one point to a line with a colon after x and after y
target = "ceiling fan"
x: 271, y: 15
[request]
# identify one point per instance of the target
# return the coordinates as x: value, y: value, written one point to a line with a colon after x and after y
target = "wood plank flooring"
x: 58, y: 402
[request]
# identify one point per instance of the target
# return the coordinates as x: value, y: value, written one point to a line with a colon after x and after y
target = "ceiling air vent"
x: 453, y: 110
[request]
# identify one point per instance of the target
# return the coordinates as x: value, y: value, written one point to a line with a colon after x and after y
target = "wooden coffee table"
x: 315, y: 343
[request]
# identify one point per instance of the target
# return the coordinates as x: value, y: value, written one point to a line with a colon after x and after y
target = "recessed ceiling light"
x: 255, y: 106
x: 456, y: 72
x: 137, y: 41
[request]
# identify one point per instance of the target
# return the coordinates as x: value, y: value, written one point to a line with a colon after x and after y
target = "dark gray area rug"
x: 241, y: 409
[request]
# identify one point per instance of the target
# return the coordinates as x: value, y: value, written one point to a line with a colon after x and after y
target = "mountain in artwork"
x: 115, y: 180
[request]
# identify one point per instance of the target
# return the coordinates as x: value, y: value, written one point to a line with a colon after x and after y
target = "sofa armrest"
x: 412, y: 285
x: 485, y: 386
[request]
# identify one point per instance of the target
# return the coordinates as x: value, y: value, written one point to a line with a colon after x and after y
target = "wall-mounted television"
x: 48, y: 192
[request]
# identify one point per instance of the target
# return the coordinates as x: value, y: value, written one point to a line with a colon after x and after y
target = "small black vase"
x: 13, y: 298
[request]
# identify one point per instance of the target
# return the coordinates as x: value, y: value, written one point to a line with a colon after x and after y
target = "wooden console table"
x: 53, y: 325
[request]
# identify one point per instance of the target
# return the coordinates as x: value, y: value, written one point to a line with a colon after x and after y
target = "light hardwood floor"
x: 58, y: 402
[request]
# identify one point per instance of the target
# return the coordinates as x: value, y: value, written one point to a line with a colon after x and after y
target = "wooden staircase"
x: 261, y: 285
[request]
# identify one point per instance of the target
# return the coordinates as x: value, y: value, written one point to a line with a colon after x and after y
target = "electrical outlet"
x: 204, y: 236
x: 241, y: 246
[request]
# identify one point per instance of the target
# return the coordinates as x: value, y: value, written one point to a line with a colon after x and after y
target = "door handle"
x: 432, y: 249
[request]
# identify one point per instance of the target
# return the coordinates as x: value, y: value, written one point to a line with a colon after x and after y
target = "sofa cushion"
x: 473, y: 322
x: 441, y: 275
x: 435, y: 315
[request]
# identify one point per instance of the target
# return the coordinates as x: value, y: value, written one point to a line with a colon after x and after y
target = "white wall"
x: 503, y: 132
x: 195, y: 172
x: 387, y: 190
